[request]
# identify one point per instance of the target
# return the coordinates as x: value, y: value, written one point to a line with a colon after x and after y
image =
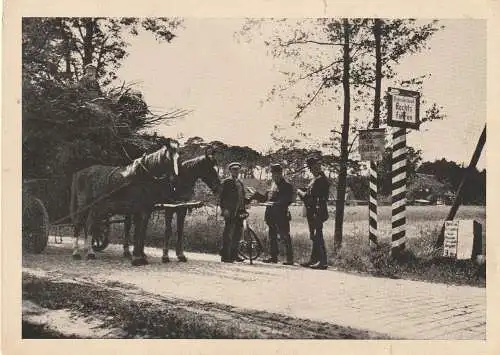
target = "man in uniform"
x: 232, y: 203
x: 277, y: 216
x: 315, y: 200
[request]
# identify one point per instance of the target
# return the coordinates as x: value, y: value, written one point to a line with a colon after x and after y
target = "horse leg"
x: 168, y: 232
x: 146, y: 219
x: 179, y: 248
x: 140, y: 221
x: 126, y: 241
x: 145, y: 222
x: 92, y: 228
x: 76, y: 233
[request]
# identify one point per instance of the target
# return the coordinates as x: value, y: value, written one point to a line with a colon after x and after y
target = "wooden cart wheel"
x: 100, y: 242
x: 35, y: 225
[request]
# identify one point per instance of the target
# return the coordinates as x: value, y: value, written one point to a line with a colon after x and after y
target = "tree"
x: 263, y: 164
x: 344, y: 148
x: 53, y: 54
x: 359, y: 185
x: 451, y: 174
x: 193, y: 147
x: 427, y: 187
x: 377, y: 34
x: 445, y: 171
x: 247, y: 156
x: 348, y: 61
x: 70, y: 43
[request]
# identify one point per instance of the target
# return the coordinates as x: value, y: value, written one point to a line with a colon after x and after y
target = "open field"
x: 203, y: 233
x: 420, y: 220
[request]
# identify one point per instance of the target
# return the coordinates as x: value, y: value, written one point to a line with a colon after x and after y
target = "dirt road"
x: 107, y: 298
x: 204, y: 298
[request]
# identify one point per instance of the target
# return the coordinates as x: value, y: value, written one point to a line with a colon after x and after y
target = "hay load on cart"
x: 35, y: 228
x: 65, y: 131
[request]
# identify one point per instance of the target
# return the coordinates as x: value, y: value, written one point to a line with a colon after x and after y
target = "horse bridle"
x: 164, y: 176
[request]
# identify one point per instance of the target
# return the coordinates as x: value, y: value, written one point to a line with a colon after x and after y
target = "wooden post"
x: 458, y: 196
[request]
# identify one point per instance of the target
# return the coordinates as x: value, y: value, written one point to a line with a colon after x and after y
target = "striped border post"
x: 399, y: 156
x: 372, y: 206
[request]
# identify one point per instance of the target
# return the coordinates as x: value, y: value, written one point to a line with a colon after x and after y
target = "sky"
x: 225, y: 82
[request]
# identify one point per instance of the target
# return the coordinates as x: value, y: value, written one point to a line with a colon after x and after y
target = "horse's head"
x: 208, y: 172
x: 171, y: 151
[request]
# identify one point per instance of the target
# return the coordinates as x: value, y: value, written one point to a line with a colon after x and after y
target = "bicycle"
x: 250, y: 247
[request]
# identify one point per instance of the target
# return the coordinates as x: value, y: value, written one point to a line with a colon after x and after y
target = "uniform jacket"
x: 229, y: 195
x: 282, y: 196
x: 316, y: 198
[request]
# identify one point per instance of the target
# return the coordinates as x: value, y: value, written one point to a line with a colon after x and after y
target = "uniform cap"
x: 276, y: 168
x: 234, y: 164
x: 312, y: 160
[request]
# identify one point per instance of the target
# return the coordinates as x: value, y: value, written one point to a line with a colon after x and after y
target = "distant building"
x: 426, y: 189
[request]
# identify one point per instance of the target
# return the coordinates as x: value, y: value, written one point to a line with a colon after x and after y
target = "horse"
x: 201, y: 167
x: 100, y: 191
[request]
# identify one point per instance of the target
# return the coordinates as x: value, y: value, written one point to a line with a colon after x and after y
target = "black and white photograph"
x: 268, y: 178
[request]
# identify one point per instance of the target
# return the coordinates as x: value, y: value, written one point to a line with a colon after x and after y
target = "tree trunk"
x: 68, y: 60
x: 88, y: 46
x: 378, y: 72
x: 67, y: 49
x: 344, y: 144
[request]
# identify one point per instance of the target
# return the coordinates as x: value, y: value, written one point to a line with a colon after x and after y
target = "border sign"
x: 450, y: 239
x: 371, y: 144
x: 403, y: 108
x: 463, y: 239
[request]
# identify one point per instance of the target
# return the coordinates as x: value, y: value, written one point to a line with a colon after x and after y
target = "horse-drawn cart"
x: 45, y: 204
x: 46, y: 211
x: 133, y: 190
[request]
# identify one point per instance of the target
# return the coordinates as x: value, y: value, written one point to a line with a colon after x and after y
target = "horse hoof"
x: 77, y: 257
x: 90, y: 256
x: 165, y: 259
x: 139, y: 262
x: 127, y: 254
x: 182, y: 258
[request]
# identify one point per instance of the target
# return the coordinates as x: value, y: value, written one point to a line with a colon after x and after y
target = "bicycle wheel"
x: 35, y: 225
x: 250, y: 246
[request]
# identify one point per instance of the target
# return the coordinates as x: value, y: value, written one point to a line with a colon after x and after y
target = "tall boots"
x: 321, y: 263
x: 318, y: 259
x: 314, y: 255
x: 289, y: 250
x: 274, y: 250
